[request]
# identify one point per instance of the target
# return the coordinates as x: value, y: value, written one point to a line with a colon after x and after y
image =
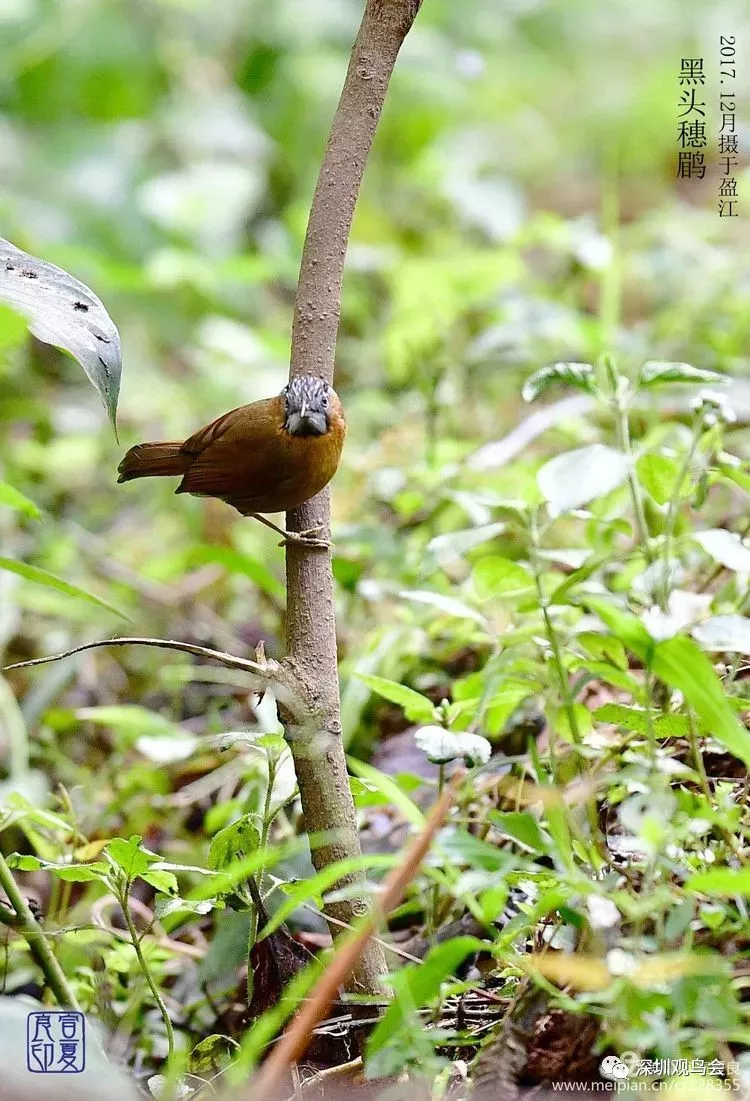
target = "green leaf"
x: 658, y: 475
x: 576, y: 477
x: 638, y: 719
x: 131, y: 722
x: 238, y: 839
x: 129, y: 856
x: 522, y: 827
x: 502, y: 705
x: 658, y: 373
x: 320, y: 883
x: 604, y: 646
x: 721, y: 882
x: 13, y: 499
x: 43, y: 577
x: 166, y: 907
x: 160, y: 880
x: 416, y: 984
x: 70, y: 873
x: 64, y: 312
x: 416, y: 707
x: 623, y: 625
x: 580, y: 375
x: 680, y: 664
x: 390, y: 789
x: 495, y: 577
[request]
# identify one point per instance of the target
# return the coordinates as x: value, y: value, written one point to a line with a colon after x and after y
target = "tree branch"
x: 311, y: 625
x: 265, y: 674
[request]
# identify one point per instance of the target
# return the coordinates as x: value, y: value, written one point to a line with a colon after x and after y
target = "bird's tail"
x: 153, y: 460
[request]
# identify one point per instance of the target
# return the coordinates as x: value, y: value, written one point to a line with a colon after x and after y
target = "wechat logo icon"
x: 612, y: 1067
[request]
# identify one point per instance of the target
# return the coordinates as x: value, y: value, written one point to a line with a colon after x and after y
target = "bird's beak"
x: 303, y: 409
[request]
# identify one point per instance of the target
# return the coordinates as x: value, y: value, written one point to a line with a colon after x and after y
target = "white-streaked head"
x: 307, y: 406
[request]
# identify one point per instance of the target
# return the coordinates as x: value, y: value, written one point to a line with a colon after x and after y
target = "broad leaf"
x: 129, y: 856
x: 580, y: 375
x: 577, y: 477
x: 721, y: 882
x: 65, y: 312
x: 658, y: 475
x: 522, y: 826
x: 680, y: 664
x: 71, y: 873
x: 724, y: 634
x: 657, y: 373
x: 640, y: 720
x: 725, y: 547
x: 240, y: 838
x: 495, y: 577
x: 416, y: 707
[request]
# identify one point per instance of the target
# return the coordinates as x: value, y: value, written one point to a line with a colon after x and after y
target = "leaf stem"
x: 622, y: 420
x: 136, y: 942
x: 32, y: 932
x: 672, y: 509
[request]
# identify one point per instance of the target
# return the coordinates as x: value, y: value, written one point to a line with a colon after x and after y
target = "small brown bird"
x: 269, y: 456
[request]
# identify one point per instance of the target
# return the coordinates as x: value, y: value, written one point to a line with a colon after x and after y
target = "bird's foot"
x: 305, y: 538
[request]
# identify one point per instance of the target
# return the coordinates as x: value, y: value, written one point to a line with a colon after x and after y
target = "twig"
x: 297, y: 1036
x: 32, y: 932
x: 311, y: 626
x: 269, y: 674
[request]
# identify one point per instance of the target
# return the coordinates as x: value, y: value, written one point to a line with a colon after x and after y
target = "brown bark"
x: 311, y: 624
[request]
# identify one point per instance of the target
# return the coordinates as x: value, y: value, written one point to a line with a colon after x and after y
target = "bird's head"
x: 307, y: 406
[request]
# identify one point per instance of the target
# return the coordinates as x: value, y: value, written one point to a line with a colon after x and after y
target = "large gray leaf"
x: 577, y: 477
x: 63, y: 311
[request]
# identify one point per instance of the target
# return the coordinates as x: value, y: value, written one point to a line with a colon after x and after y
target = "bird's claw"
x: 304, y: 539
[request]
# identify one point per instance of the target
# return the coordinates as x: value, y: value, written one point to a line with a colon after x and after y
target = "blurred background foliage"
x: 521, y: 206
x: 166, y: 152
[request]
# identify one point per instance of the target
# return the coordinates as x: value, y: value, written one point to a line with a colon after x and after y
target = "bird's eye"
x: 324, y: 402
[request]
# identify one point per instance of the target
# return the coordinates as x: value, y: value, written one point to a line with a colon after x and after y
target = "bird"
x: 269, y: 456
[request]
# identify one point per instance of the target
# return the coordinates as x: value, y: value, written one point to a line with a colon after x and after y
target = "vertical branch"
x: 311, y: 624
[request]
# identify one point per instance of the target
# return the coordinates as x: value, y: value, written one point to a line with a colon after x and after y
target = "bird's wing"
x: 200, y: 440
x: 237, y: 452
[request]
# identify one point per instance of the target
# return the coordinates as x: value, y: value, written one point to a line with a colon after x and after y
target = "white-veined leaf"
x: 65, y: 312
x: 657, y: 373
x: 580, y: 375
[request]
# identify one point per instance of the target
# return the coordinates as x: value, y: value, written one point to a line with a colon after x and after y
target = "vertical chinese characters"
x: 691, y: 161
